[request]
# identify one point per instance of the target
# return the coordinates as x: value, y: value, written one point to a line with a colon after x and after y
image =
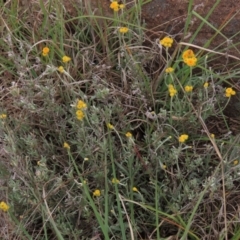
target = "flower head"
x: 115, y: 6
x: 61, y: 69
x: 189, y: 58
x: 229, y: 92
x: 135, y: 189
x: 169, y: 70
x: 3, y: 116
x: 110, y: 126
x: 80, y: 115
x: 4, y: 206
x: 66, y: 59
x: 81, y: 105
x: 183, y: 138
x: 235, y: 162
x: 45, y: 51
x: 115, y: 181
x: 128, y: 135
x: 188, y: 88
x: 166, y: 42
x: 172, y: 91
x: 123, y: 30
x: 97, y: 193
x: 66, y: 145
x: 205, y: 85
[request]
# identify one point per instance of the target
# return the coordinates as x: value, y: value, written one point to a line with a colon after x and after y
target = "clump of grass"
x: 104, y: 137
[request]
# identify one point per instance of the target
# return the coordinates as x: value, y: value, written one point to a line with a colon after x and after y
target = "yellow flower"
x: 135, y: 189
x: 191, y: 62
x: 45, y: 51
x: 166, y: 42
x: 4, y: 206
x: 110, y: 126
x: 189, y: 58
x: 3, y: 116
x: 188, y: 54
x: 66, y: 145
x: 81, y: 105
x: 229, y: 92
x: 235, y: 162
x: 115, y: 6
x: 128, y: 135
x: 169, y: 70
x: 61, y: 69
x: 212, y: 135
x: 205, y: 85
x: 183, y: 138
x: 80, y: 115
x: 123, y: 30
x: 163, y: 166
x: 172, y: 91
x: 115, y: 180
x: 188, y: 88
x: 97, y: 193
x: 121, y: 6
x: 66, y: 59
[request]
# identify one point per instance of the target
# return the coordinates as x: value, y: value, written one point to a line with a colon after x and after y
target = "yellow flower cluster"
x: 183, y: 138
x: 97, y: 193
x: 116, y: 6
x: 188, y: 88
x: 110, y: 126
x: 189, y: 58
x: 45, y: 51
x: 66, y: 145
x: 115, y: 181
x: 135, y: 189
x: 205, y: 85
x: 172, y: 91
x: 81, y: 106
x: 123, y: 30
x: 169, y: 70
x: 4, y: 206
x: 128, y: 135
x: 229, y: 92
x: 66, y: 59
x: 166, y: 42
x: 3, y: 116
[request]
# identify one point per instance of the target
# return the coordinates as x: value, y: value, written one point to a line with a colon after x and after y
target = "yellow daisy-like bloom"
x: 97, y: 193
x: 169, y: 70
x: 123, y: 30
x: 229, y: 92
x: 66, y: 145
x: 188, y: 54
x: 80, y: 115
x: 166, y: 42
x: 191, y: 62
x: 81, y: 105
x: 110, y: 126
x: 135, y: 189
x: 115, y: 6
x: 235, y: 162
x: 172, y: 91
x: 188, y: 88
x: 115, y: 181
x: 205, y: 85
x: 189, y: 58
x: 3, y: 116
x: 45, y: 51
x: 66, y: 59
x: 4, y: 206
x: 128, y: 135
x: 61, y: 69
x: 183, y: 138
